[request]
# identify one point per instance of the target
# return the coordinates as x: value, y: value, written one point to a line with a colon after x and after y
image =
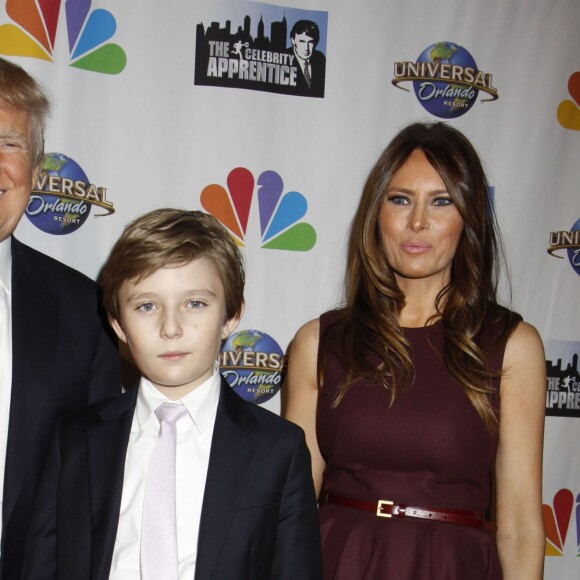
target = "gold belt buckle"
x: 380, y: 505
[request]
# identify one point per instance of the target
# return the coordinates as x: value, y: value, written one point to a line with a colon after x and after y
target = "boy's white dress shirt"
x: 194, y: 435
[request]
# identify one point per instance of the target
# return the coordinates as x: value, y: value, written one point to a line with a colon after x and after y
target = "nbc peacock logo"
x: 34, y: 29
x: 569, y: 109
x: 557, y: 522
x: 281, y: 225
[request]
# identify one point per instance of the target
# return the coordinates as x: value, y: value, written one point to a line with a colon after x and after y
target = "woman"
x: 422, y: 391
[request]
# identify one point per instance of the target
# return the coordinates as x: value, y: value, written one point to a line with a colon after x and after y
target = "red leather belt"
x: 387, y: 509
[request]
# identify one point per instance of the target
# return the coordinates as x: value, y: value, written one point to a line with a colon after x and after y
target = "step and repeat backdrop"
x: 203, y: 104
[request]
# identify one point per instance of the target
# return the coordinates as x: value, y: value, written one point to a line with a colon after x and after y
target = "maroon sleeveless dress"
x: 430, y: 449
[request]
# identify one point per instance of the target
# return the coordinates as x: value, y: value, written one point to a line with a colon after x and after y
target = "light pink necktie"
x: 158, y: 557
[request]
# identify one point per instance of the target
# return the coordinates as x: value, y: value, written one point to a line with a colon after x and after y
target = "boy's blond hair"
x: 171, y: 237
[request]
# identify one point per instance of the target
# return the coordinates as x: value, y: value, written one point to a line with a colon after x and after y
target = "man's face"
x: 303, y: 45
x: 17, y: 171
x: 173, y: 322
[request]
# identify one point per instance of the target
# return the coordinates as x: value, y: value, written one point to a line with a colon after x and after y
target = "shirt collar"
x: 201, y: 403
x: 6, y: 263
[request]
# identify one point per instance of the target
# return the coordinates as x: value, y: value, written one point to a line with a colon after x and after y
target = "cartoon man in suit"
x: 310, y: 63
x: 55, y: 355
x: 238, y: 490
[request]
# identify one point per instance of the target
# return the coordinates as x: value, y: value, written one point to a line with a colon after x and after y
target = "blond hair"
x: 172, y: 237
x: 20, y: 91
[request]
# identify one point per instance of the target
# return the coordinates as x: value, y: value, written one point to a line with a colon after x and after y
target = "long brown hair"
x: 367, y: 329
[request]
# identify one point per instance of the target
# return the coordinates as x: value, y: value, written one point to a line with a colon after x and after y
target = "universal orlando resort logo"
x: 568, y: 242
x: 253, y: 364
x: 445, y: 79
x: 63, y: 196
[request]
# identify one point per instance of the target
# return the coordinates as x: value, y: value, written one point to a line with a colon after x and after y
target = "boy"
x: 236, y: 498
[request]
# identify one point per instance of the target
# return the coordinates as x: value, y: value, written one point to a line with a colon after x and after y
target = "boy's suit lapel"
x: 106, y: 448
x: 232, y: 450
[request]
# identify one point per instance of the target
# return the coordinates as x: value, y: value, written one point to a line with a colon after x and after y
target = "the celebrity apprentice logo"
x: 563, y: 378
x: 445, y: 79
x: 277, y: 49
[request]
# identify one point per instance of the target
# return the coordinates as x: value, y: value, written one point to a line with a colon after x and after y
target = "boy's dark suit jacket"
x: 258, y: 520
x: 62, y: 359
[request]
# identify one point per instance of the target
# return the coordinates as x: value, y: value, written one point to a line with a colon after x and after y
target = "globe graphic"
x: 441, y: 106
x: 41, y: 208
x: 574, y: 253
x: 249, y: 377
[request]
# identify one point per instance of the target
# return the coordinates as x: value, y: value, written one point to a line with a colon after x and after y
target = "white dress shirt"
x: 194, y: 435
x: 5, y: 354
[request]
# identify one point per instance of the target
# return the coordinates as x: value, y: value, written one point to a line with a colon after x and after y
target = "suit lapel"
x: 34, y: 322
x: 106, y: 449
x: 35, y: 326
x: 232, y: 450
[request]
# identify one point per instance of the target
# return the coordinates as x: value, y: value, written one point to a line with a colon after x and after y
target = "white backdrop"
x: 153, y: 138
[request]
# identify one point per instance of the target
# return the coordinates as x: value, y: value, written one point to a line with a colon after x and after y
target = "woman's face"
x: 419, y: 223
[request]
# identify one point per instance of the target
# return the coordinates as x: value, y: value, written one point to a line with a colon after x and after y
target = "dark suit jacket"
x: 318, y: 68
x: 258, y: 519
x: 62, y: 359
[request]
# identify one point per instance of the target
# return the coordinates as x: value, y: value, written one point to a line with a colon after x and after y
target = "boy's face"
x: 173, y: 322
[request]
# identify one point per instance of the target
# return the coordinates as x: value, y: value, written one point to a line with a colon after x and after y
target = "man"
x: 55, y: 355
x: 310, y: 63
